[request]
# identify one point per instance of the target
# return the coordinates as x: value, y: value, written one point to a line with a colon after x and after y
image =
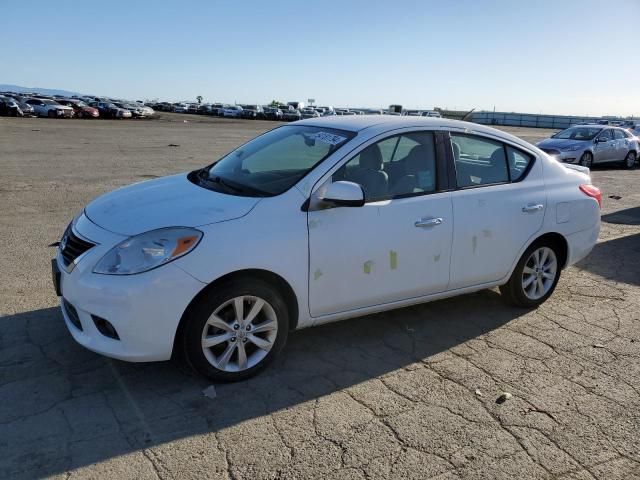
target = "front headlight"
x: 148, y: 250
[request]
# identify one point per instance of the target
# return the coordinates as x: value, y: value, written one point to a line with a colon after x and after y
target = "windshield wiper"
x: 205, y: 176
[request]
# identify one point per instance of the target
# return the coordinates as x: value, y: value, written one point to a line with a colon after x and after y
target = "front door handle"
x: 532, y: 208
x: 428, y: 222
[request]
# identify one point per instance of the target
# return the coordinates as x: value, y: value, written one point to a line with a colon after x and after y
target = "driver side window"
x: 396, y: 167
x: 605, y: 136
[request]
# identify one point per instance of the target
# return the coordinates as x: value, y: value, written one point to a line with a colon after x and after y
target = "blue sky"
x: 563, y: 56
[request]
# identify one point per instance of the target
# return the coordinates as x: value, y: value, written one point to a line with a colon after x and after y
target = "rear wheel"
x: 630, y: 160
x: 236, y: 331
x: 587, y: 159
x: 535, y: 277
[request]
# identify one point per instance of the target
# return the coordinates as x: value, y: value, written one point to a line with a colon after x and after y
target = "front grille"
x: 73, y: 246
x: 72, y: 314
x: 551, y: 151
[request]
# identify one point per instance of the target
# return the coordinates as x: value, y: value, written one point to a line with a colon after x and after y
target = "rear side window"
x: 478, y: 161
x: 518, y: 163
x: 619, y: 134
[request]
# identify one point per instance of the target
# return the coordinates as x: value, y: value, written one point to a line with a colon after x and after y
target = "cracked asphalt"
x: 408, y: 394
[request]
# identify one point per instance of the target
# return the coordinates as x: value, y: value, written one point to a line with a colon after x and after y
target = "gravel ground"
x: 405, y: 394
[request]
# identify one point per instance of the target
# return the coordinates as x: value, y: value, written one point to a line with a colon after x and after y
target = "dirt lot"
x: 406, y: 394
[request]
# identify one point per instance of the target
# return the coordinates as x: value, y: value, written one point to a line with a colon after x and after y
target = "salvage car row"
x: 290, y: 111
x: 21, y: 105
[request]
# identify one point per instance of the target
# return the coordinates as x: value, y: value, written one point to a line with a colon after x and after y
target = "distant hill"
x: 43, y: 91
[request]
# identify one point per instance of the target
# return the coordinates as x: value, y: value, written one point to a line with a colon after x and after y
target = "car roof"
x: 357, y: 123
x: 379, y: 124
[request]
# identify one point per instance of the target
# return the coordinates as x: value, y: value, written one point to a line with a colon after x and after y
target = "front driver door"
x: 398, y: 245
x: 604, y: 149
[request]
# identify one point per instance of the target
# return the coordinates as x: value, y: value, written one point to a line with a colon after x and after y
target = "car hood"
x: 164, y: 202
x: 560, y: 143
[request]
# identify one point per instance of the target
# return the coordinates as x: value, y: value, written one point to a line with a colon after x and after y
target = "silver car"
x: 587, y: 145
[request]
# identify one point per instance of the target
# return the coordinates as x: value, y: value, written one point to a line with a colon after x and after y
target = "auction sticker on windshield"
x: 330, y: 138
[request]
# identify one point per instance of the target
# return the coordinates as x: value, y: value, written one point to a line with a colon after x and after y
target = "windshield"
x: 578, y: 133
x: 275, y: 161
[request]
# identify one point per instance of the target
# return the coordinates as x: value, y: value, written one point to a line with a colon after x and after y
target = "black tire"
x: 586, y: 160
x: 513, y: 291
x: 51, y: 114
x: 201, y: 311
x: 629, y: 161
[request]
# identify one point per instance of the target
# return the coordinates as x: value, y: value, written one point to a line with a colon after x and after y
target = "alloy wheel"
x: 539, y: 273
x: 630, y: 160
x: 586, y: 160
x: 239, y: 333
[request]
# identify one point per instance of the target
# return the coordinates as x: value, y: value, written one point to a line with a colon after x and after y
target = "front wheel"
x: 630, y: 161
x: 236, y: 331
x: 535, y: 277
x: 587, y: 159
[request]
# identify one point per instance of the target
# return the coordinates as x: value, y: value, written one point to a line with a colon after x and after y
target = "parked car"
x: 192, y: 108
x: 50, y: 108
x: 163, y: 107
x: 365, y: 209
x: 180, y: 108
x: 231, y: 111
x: 325, y: 111
x: 272, y: 113
x: 291, y: 115
x: 216, y: 109
x: 137, y: 110
x: 252, y: 112
x: 309, y: 113
x: 204, y: 109
x: 27, y: 110
x: 111, y: 110
x: 9, y: 107
x: 80, y: 109
x: 587, y: 145
x: 431, y: 113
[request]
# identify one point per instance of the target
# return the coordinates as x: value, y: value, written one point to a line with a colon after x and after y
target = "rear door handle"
x: 428, y: 222
x: 532, y: 208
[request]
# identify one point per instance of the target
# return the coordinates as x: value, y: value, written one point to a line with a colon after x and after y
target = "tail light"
x: 593, y: 192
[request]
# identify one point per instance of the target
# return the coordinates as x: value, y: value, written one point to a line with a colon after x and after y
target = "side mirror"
x: 601, y: 140
x: 343, y: 194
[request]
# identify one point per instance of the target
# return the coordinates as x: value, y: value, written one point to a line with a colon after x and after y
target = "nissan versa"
x: 313, y: 222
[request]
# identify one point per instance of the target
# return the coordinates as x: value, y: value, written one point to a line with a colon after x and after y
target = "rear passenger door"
x: 622, y: 147
x: 499, y: 204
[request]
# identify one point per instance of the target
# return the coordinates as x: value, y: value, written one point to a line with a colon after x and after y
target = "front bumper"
x: 144, y: 309
x: 566, y: 156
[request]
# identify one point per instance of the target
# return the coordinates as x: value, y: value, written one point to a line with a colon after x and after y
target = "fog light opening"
x: 105, y: 327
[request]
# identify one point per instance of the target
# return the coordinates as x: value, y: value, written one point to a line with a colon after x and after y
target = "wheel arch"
x: 559, y: 241
x: 271, y: 278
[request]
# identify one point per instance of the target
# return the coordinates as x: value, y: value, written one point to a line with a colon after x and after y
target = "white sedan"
x: 43, y: 107
x: 313, y: 222
x: 232, y: 111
